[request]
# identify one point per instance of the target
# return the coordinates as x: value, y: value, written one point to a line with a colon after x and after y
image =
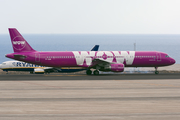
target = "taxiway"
x: 13, y: 77
x: 77, y: 96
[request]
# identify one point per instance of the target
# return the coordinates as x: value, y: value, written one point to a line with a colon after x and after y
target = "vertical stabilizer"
x: 95, y: 48
x: 18, y: 42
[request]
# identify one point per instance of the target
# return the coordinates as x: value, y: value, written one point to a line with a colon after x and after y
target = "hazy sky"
x: 91, y: 16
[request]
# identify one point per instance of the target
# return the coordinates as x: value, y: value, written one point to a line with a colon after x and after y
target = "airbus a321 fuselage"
x: 114, y: 61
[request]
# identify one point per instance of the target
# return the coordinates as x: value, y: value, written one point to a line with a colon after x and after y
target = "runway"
x: 89, y: 77
x: 79, y: 97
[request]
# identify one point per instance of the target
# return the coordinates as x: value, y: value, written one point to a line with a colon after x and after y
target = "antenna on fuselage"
x: 135, y: 46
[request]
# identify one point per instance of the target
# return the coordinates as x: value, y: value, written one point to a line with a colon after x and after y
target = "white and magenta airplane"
x: 114, y: 61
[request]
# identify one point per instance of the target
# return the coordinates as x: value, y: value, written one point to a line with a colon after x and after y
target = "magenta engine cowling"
x: 117, y: 67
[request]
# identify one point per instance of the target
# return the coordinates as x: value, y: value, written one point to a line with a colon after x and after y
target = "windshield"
x: 166, y: 56
x: 3, y: 63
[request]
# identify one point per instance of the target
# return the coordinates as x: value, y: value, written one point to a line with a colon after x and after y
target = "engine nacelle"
x: 39, y: 71
x: 117, y: 67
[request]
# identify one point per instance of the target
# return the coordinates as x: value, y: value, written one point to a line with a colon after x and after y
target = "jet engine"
x: 39, y: 71
x: 113, y: 67
x: 117, y: 67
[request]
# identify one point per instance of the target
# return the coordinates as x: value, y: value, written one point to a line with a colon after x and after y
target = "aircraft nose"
x: 172, y: 61
x: 0, y: 66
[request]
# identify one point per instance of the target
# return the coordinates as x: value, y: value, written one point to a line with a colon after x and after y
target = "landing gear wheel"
x: 88, y: 72
x: 31, y: 72
x: 156, y: 72
x: 96, y: 72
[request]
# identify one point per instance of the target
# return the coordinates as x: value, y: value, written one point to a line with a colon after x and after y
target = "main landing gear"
x: 156, y: 71
x: 88, y: 72
x: 95, y: 72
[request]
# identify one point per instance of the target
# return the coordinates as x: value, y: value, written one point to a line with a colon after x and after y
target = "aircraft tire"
x: 156, y: 72
x: 31, y: 72
x: 96, y: 72
x: 88, y: 72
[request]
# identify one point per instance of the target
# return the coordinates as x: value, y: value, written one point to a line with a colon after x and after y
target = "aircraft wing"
x: 63, y: 69
x: 50, y: 69
x: 98, y: 62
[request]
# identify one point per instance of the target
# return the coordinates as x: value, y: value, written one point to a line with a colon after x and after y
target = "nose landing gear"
x: 156, y: 71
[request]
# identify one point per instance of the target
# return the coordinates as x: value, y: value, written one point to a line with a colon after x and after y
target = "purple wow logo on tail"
x: 18, y: 43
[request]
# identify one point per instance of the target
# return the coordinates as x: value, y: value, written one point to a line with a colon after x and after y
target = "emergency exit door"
x: 37, y: 57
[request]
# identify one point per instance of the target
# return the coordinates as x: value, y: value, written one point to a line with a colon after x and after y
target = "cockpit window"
x: 166, y: 56
x: 3, y: 63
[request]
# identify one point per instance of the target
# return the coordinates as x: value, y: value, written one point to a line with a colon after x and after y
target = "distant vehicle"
x: 32, y: 68
x: 114, y: 61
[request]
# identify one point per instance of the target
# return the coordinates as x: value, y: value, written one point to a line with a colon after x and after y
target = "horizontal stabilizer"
x: 20, y: 56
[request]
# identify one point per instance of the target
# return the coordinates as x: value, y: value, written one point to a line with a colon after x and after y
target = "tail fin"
x: 95, y: 48
x: 18, y: 42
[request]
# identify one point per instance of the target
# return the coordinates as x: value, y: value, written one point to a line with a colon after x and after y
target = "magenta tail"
x: 18, y: 42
